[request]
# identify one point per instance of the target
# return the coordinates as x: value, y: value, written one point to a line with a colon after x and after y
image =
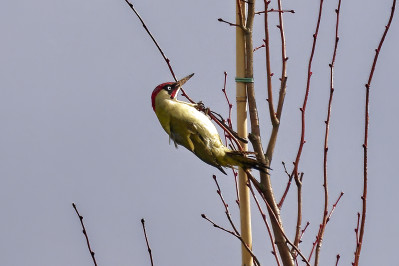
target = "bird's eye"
x: 168, y: 88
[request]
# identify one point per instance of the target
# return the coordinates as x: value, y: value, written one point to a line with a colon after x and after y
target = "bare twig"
x: 237, y: 235
x: 272, y: 113
x: 321, y: 225
x: 218, y: 226
x: 305, y: 101
x: 276, y: 10
x: 228, y: 23
x: 266, y: 223
x: 153, y: 39
x: 303, y: 231
x: 326, y: 135
x: 284, y: 59
x: 235, y: 232
x: 338, y: 257
x: 259, y: 47
x: 228, y: 138
x: 287, y: 187
x: 334, y: 206
x: 365, y: 144
x: 146, y: 240
x: 225, y: 205
x: 85, y: 234
x: 228, y: 101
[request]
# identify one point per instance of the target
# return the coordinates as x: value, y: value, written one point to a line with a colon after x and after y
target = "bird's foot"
x: 200, y: 106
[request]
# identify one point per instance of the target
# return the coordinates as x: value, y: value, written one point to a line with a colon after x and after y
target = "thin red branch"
x: 321, y: 225
x: 152, y: 37
x: 305, y: 101
x: 287, y: 187
x: 236, y: 233
x: 284, y: 59
x: 272, y: 113
x: 228, y: 101
x: 229, y: 23
x: 225, y: 205
x: 365, y: 144
x: 326, y: 135
x: 85, y: 234
x: 259, y: 47
x: 276, y: 10
x: 218, y: 226
x: 228, y: 138
x: 334, y: 206
x: 238, y: 236
x: 146, y: 240
x: 303, y: 231
x: 274, y: 252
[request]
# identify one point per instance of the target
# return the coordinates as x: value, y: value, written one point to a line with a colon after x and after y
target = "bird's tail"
x: 239, y: 158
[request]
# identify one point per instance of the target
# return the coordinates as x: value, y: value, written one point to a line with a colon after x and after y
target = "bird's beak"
x: 179, y: 84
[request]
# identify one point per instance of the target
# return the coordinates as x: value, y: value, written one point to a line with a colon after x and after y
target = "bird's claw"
x: 200, y: 106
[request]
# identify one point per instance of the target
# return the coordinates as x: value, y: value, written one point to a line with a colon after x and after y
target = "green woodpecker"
x: 192, y: 129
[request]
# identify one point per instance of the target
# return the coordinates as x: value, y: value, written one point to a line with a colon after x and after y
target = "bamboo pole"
x: 241, y: 101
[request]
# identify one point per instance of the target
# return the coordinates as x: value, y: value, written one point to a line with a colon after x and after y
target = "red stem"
x: 321, y: 225
x: 303, y: 108
x: 272, y: 113
x: 365, y: 144
x: 326, y: 135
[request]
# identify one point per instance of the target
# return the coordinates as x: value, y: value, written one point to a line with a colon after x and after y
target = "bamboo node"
x: 241, y: 98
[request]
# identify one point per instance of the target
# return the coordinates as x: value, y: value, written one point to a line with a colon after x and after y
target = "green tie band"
x: 245, y: 80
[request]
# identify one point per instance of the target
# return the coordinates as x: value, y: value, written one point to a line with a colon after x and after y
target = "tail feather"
x: 239, y: 159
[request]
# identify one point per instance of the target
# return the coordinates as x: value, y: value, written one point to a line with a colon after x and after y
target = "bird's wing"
x: 192, y: 135
x: 181, y: 131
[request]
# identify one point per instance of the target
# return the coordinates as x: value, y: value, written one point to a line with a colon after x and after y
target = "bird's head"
x: 167, y: 90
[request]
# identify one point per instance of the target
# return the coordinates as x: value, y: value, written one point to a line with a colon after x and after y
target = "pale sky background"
x: 77, y: 126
